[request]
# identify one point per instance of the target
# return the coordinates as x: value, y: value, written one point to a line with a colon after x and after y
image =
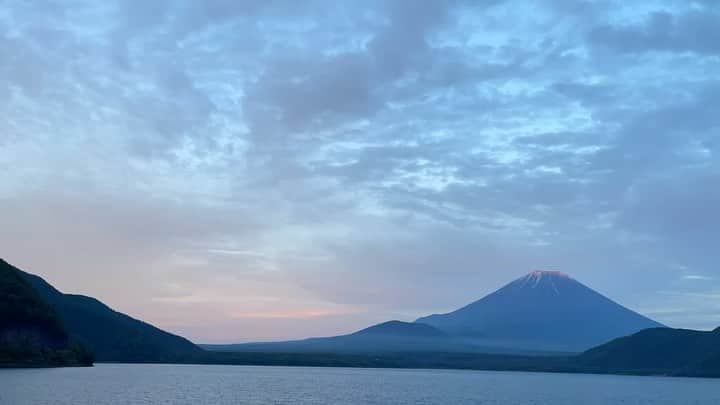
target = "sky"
x: 239, y: 170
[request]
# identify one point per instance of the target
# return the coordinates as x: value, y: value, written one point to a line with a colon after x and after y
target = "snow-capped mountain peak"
x: 543, y: 278
x: 543, y: 309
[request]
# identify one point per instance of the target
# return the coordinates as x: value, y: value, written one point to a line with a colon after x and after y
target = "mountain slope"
x: 386, y: 337
x: 658, y: 351
x: 542, y: 311
x: 31, y: 332
x: 400, y: 329
x: 22, y: 310
x: 110, y: 335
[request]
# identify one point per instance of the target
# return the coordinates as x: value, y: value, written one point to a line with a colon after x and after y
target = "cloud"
x: 664, y: 31
x: 696, y: 277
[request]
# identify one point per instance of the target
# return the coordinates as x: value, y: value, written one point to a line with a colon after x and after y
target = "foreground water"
x: 126, y: 384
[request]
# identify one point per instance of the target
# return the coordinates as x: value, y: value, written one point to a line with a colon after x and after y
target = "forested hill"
x: 658, y: 351
x: 31, y: 333
x: 111, y: 335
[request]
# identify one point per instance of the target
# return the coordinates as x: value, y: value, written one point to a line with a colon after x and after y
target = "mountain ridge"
x: 31, y: 331
x: 396, y: 344
x: 383, y: 338
x: 111, y: 335
x: 395, y: 327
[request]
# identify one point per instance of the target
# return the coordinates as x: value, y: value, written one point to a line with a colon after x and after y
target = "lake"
x: 133, y: 384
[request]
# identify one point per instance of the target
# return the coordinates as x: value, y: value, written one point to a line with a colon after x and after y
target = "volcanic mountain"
x: 544, y: 310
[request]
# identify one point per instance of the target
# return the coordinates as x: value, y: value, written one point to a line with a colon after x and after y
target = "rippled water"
x: 172, y: 384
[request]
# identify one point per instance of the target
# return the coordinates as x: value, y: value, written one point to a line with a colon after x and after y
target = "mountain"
x: 31, y: 333
x: 544, y: 310
x: 658, y: 351
x: 110, y: 335
x: 401, y: 329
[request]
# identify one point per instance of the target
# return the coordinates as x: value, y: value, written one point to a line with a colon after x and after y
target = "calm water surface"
x: 224, y: 385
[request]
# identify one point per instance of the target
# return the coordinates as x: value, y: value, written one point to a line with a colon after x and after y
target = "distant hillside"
x: 31, y: 332
x: 110, y: 335
x: 383, y: 338
x: 658, y: 351
x: 655, y: 351
x: 400, y: 329
x: 544, y: 310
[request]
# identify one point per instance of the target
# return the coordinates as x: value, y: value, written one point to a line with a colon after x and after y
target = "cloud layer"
x: 239, y: 170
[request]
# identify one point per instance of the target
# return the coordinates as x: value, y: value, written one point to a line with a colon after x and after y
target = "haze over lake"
x: 224, y: 385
